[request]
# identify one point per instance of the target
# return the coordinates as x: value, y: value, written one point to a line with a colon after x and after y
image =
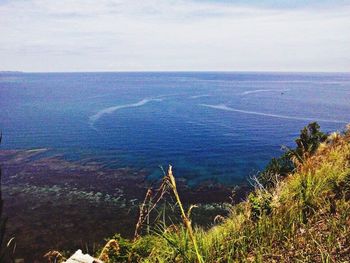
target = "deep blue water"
x: 217, y: 126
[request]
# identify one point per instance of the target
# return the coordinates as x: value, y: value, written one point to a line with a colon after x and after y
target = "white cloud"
x: 86, y: 35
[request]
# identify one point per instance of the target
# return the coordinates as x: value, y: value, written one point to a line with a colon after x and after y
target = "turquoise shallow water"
x: 211, y: 126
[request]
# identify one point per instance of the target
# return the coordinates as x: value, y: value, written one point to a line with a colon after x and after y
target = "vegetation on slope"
x: 298, y: 212
x: 6, y: 249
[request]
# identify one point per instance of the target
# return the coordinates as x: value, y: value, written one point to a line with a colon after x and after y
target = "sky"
x: 174, y: 35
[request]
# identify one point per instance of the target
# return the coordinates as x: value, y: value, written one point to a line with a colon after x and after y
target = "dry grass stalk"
x: 152, y: 201
x: 53, y: 256
x: 219, y: 219
x: 187, y: 222
x: 143, y: 212
x: 168, y: 182
x: 111, y: 245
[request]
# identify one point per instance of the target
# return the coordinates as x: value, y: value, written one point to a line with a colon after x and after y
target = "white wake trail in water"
x: 199, y: 96
x: 263, y: 90
x: 109, y: 110
x: 226, y: 108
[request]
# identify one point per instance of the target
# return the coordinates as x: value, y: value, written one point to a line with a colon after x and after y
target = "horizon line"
x: 173, y: 71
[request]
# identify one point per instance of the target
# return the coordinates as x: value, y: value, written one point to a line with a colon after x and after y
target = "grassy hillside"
x: 298, y: 212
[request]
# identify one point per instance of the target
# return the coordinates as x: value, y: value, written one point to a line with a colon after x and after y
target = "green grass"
x: 304, y: 217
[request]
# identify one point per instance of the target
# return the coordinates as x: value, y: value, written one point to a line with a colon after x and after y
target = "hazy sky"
x: 114, y: 35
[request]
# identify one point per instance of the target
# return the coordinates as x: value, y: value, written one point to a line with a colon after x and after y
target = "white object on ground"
x: 79, y: 257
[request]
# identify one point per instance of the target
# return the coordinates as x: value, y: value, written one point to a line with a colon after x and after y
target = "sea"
x: 220, y: 127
